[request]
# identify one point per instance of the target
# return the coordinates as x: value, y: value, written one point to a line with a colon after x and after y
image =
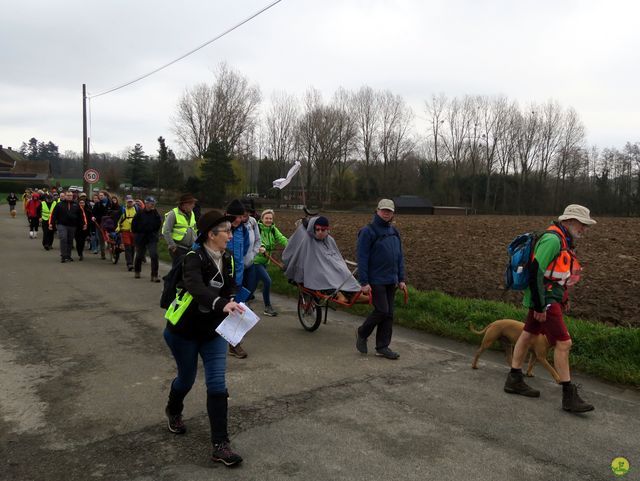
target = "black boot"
x: 572, y: 402
x: 174, y: 411
x: 515, y: 385
x: 217, y: 409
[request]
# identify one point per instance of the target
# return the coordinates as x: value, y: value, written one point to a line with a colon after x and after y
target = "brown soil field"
x: 465, y: 256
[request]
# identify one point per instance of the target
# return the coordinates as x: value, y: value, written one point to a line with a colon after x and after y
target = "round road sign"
x: 91, y: 176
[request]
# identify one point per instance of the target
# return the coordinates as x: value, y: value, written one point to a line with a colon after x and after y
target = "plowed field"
x: 465, y: 257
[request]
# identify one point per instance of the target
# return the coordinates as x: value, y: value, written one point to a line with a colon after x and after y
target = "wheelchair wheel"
x: 309, y: 312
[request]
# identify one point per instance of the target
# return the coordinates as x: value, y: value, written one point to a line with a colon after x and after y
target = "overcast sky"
x: 582, y: 53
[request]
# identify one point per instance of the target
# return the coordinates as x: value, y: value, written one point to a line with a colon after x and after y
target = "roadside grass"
x: 611, y: 353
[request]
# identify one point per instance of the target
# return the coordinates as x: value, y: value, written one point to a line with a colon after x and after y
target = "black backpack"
x: 171, y: 280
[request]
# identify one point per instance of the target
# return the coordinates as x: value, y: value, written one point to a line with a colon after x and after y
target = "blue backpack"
x: 520, y: 251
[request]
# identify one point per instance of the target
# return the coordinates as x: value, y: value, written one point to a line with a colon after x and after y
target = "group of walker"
x: 221, y: 252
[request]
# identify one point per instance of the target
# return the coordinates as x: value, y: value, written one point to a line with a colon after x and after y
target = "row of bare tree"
x: 484, y: 152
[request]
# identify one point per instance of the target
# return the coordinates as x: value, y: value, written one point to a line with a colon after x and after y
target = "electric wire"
x: 264, y: 9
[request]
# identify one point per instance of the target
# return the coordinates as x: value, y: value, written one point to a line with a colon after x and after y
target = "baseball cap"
x: 386, y: 204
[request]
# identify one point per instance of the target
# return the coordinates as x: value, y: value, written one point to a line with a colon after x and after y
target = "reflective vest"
x: 181, y: 225
x: 183, y: 300
x: 565, y: 269
x: 46, y: 210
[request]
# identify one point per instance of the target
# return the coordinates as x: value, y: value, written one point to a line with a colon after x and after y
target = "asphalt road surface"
x: 84, y: 375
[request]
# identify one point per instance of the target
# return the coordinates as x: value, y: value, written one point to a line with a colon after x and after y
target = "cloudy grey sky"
x: 582, y: 53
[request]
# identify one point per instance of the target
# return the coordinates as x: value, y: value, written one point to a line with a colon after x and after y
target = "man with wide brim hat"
x: 554, y: 268
x: 179, y: 229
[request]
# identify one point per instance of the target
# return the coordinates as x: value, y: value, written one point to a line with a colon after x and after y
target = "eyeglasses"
x: 217, y: 231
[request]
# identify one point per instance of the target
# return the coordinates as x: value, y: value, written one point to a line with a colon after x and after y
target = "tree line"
x: 487, y: 153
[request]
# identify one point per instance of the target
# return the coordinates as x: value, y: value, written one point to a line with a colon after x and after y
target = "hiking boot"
x: 136, y: 275
x: 270, y: 311
x: 361, y: 343
x: 222, y: 453
x: 515, y: 385
x: 387, y: 353
x: 572, y: 402
x: 174, y: 423
x: 237, y: 351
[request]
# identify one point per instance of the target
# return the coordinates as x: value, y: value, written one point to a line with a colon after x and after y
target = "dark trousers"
x: 81, y: 240
x: 382, y: 315
x: 141, y: 249
x: 33, y: 224
x: 66, y: 233
x: 47, y: 235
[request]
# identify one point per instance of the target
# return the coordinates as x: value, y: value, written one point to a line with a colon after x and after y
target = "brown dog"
x: 507, y: 331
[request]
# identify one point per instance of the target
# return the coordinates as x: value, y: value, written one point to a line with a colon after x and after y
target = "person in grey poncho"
x: 312, y: 258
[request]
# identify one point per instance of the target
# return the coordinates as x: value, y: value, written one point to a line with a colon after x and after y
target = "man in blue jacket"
x: 380, y: 272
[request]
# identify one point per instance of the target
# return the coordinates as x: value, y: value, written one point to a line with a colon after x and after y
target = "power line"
x: 264, y: 9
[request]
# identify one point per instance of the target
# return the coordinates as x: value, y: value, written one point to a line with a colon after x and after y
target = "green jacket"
x: 270, y: 237
x: 546, y: 250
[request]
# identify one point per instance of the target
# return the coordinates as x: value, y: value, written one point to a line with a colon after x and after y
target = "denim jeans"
x: 257, y: 273
x: 214, y: 359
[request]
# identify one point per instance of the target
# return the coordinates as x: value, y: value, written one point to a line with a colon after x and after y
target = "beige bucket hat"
x: 577, y: 212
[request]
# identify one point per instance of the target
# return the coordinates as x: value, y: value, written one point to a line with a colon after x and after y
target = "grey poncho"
x: 315, y: 263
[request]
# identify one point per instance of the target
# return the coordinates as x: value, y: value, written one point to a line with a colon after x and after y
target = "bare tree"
x: 192, y: 121
x: 455, y: 138
x: 436, y: 111
x: 307, y: 133
x: 235, y: 104
x: 395, y: 142
x: 527, y: 148
x: 572, y: 137
x: 280, y: 126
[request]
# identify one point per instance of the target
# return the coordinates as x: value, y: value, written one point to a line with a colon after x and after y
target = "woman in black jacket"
x: 207, y: 290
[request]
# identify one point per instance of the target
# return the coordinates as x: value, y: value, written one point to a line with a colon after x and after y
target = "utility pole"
x: 85, y: 141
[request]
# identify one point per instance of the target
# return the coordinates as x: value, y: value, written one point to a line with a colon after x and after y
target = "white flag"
x: 283, y: 182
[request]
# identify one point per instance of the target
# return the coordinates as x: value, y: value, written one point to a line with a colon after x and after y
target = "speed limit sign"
x: 91, y: 176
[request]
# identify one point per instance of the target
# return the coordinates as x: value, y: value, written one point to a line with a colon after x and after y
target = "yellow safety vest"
x: 183, y: 300
x: 46, y: 210
x: 181, y: 225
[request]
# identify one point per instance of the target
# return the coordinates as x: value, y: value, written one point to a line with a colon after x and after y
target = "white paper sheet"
x: 234, y: 327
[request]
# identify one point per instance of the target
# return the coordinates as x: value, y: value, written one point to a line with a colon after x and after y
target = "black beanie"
x: 322, y: 221
x: 236, y: 207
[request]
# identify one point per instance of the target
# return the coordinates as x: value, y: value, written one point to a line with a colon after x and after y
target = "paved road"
x: 84, y: 374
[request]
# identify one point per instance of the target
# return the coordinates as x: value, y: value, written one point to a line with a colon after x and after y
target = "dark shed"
x: 412, y: 204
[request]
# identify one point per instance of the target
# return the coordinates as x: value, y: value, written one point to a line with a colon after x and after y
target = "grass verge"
x: 611, y: 353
